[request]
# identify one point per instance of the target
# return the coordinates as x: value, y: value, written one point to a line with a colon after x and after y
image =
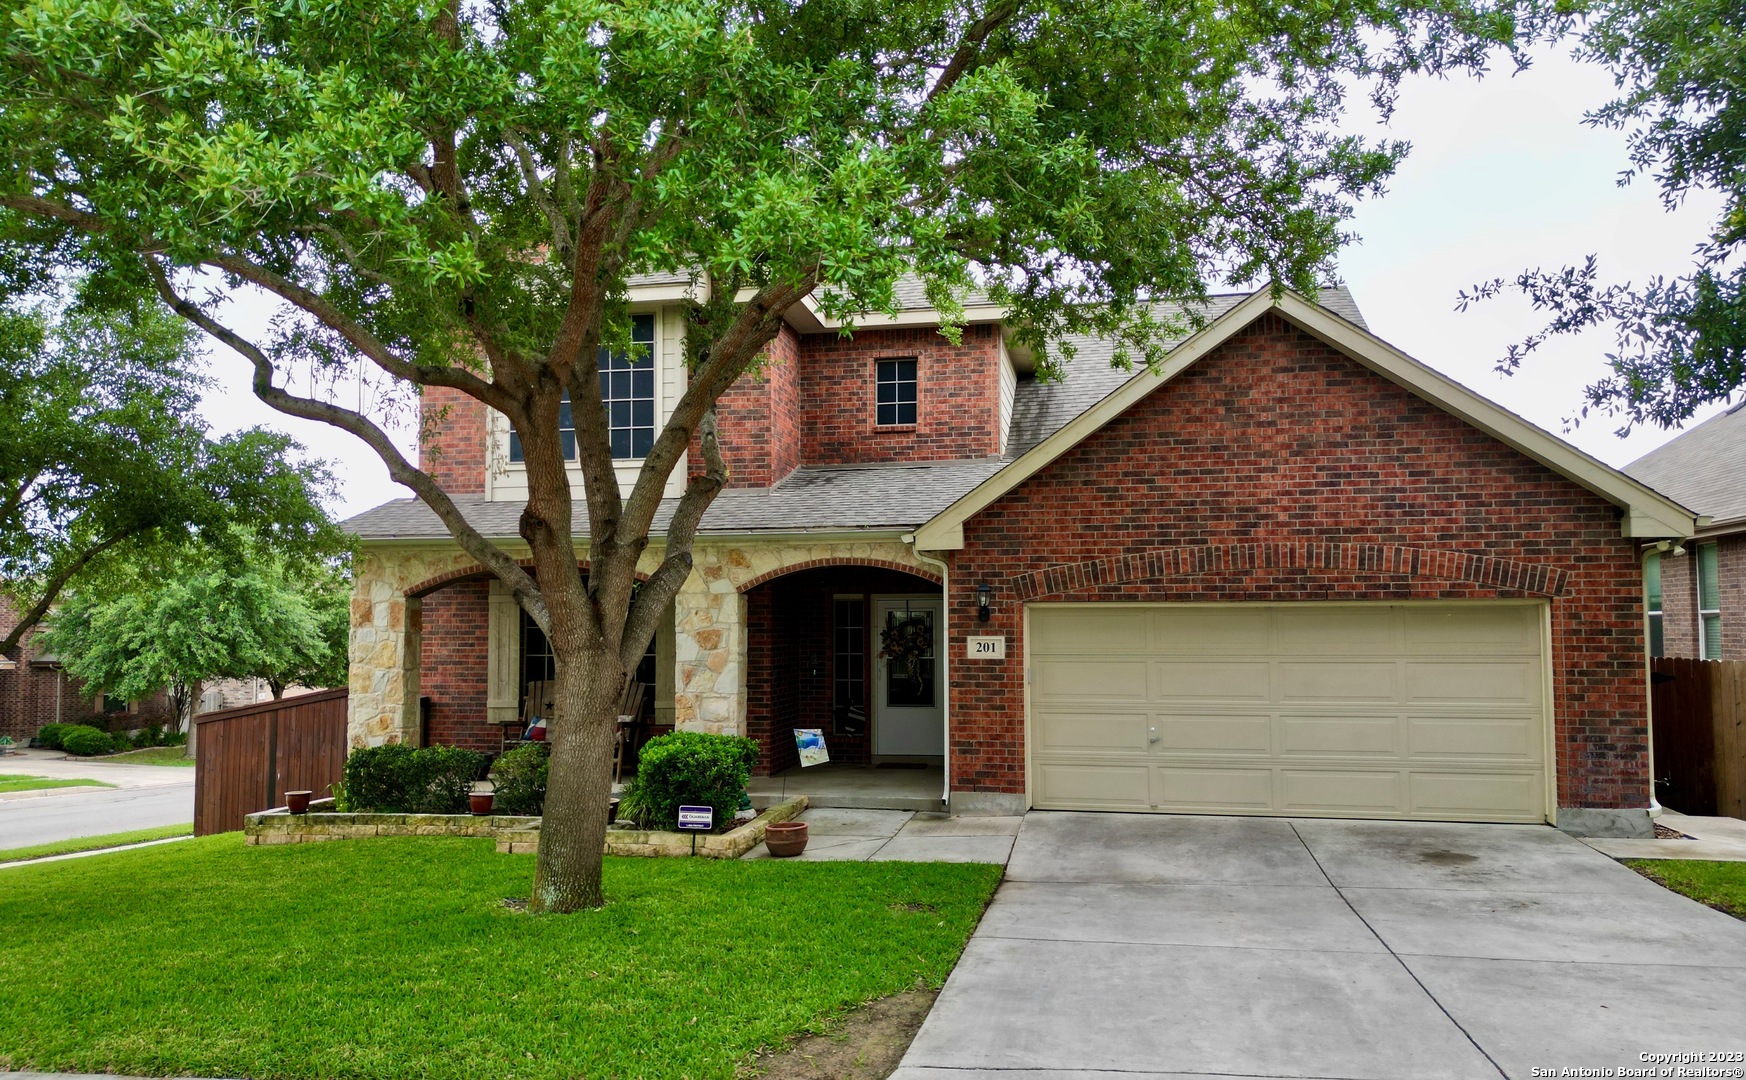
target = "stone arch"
x: 1538, y: 579
x: 430, y: 585
x: 814, y: 564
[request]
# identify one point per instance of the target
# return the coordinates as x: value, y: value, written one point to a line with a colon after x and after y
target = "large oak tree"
x: 453, y: 196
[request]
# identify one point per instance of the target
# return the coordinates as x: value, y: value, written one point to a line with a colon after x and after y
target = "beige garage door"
x: 1340, y: 710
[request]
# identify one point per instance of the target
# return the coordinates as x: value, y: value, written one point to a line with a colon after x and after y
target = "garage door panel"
x: 1484, y: 796
x: 1351, y: 631
x: 1337, y: 680
x: 1091, y: 732
x: 1323, y: 791
x: 1094, y: 786
x: 1502, y: 737
x: 1092, y: 630
x: 1231, y: 630
x: 1074, y: 680
x: 1476, y: 628
x: 1212, y: 733
x: 1215, y: 788
x: 1381, y: 710
x: 1210, y: 680
x: 1341, y: 735
x: 1510, y: 682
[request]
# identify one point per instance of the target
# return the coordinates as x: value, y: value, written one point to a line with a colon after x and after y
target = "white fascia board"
x: 640, y: 295
x: 1646, y: 512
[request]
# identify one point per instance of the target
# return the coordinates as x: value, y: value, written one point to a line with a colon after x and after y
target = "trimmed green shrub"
x: 397, y: 779
x: 689, y: 768
x: 148, y: 736
x: 520, y: 779
x: 86, y: 741
x: 50, y: 735
x: 175, y: 738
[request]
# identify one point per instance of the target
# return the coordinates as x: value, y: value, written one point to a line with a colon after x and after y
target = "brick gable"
x: 1277, y: 469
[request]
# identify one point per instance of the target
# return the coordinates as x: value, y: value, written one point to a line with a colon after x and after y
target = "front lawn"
x: 1721, y: 885
x: 42, y: 783
x: 398, y: 958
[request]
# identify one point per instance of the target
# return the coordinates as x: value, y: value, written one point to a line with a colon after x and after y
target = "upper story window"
x: 1709, y: 583
x: 627, y: 392
x: 896, y: 392
x: 1652, y: 591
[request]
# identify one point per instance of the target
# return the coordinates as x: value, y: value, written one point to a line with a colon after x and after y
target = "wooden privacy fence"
x: 1700, y: 735
x: 247, y: 758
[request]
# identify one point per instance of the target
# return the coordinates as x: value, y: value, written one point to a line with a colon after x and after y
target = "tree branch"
x: 470, y: 539
x: 970, y: 49
x: 57, y: 582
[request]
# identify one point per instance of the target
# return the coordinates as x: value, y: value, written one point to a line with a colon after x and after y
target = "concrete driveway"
x: 1136, y: 946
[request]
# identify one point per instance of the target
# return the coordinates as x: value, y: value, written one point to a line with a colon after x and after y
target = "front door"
x: 908, y: 720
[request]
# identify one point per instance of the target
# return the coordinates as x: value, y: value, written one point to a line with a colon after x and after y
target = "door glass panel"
x: 907, y: 644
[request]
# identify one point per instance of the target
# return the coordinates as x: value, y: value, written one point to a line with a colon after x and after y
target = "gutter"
x: 946, y: 664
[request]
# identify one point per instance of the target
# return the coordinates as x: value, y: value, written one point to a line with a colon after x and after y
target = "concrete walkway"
x: 902, y: 836
x: 1151, y: 946
x: 1714, y: 839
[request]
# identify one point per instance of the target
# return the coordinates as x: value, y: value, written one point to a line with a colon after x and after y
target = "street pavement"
x: 144, y: 797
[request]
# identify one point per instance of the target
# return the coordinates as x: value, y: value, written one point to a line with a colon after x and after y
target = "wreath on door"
x: 904, y: 643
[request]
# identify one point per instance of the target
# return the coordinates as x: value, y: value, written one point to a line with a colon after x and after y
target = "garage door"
x: 1342, y: 710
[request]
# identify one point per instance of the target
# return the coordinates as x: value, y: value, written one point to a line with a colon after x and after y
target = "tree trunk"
x: 590, y: 686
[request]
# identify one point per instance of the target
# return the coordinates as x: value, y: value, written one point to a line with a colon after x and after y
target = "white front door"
x: 908, y: 719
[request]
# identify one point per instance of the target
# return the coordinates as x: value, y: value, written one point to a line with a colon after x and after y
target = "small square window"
x: 895, y: 393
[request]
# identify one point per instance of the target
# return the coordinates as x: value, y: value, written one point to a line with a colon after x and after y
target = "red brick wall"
x: 957, y: 396
x: 1679, y: 599
x: 452, y: 448
x: 452, y: 659
x: 1275, y: 437
x: 759, y: 420
x: 32, y: 695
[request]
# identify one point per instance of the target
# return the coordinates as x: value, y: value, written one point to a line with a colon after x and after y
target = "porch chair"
x: 630, y: 713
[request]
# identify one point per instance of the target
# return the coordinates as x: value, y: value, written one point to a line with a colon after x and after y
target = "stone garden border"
x: 514, y: 835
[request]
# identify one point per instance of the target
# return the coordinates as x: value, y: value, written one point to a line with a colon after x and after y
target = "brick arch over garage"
x: 814, y: 564
x: 1435, y: 564
x: 430, y: 585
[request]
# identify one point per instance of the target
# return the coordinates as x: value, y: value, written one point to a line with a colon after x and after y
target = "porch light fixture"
x: 984, y: 595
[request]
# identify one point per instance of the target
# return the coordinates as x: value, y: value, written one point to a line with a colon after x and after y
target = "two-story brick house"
x: 1294, y: 572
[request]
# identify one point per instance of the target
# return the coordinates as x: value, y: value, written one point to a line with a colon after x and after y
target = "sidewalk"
x: 901, y: 836
x: 1713, y: 839
x: 58, y: 766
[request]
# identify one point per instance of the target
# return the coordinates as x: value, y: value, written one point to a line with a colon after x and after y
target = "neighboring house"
x: 1293, y: 573
x: 1697, y: 597
x: 34, y: 690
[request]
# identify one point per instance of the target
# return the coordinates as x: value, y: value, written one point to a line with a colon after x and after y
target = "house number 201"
x: 985, y: 648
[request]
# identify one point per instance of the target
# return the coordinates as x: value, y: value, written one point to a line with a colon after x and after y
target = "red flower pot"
x: 298, y: 801
x: 480, y: 801
x: 786, y: 838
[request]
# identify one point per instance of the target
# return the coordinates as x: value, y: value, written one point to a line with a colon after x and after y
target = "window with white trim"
x: 1709, y: 590
x: 895, y: 387
x: 1652, y: 601
x: 627, y: 393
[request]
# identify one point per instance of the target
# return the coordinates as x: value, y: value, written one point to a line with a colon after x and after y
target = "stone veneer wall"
x: 709, y: 687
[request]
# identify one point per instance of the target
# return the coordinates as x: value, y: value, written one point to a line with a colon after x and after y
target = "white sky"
x: 1503, y: 176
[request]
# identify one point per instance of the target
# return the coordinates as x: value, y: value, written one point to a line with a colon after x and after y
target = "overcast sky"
x: 1503, y: 176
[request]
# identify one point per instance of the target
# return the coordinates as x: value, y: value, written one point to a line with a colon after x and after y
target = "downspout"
x: 946, y: 665
x: 1664, y: 547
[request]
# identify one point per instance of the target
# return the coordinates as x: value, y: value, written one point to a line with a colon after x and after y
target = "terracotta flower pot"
x: 480, y: 801
x: 298, y: 801
x: 786, y: 838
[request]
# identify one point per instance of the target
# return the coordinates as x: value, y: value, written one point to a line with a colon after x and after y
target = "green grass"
x: 93, y: 843
x: 1722, y: 885
x: 42, y: 783
x: 154, y: 755
x: 397, y: 958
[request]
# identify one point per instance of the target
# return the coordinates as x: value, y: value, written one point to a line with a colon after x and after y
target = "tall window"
x: 1652, y: 591
x: 627, y: 392
x: 896, y: 392
x: 1709, y: 603
x: 538, y: 663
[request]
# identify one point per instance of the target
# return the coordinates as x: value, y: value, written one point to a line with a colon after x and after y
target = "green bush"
x: 121, y: 742
x: 689, y: 768
x: 175, y: 738
x: 86, y: 741
x: 50, y: 735
x: 520, y: 779
x: 399, y: 779
x: 151, y: 735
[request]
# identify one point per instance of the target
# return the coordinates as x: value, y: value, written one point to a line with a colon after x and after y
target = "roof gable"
x: 1647, y: 513
x: 1705, y: 468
